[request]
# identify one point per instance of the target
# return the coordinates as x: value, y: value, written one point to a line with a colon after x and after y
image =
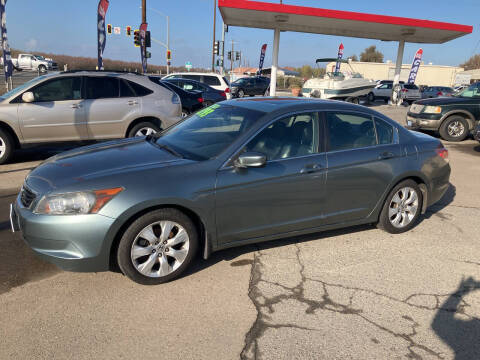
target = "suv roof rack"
x: 100, y: 71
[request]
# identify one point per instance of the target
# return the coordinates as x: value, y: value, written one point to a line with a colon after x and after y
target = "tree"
x: 371, y: 54
x: 472, y: 63
x: 353, y: 57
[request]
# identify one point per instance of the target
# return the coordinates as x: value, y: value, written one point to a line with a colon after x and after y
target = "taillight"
x: 200, y: 100
x: 404, y: 90
x: 442, y: 152
x: 439, y: 93
x: 227, y: 90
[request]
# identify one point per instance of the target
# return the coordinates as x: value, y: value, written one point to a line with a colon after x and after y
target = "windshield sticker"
x: 204, y: 112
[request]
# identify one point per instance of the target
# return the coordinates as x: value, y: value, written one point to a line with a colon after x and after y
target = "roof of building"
x: 257, y: 14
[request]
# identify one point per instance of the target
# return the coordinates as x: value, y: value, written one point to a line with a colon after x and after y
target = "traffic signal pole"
x: 144, y: 21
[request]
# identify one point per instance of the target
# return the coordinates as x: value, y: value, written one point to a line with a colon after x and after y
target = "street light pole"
x: 144, y: 21
x: 167, y: 45
x: 213, y: 42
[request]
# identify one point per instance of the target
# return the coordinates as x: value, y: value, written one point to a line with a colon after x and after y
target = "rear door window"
x: 126, y: 90
x: 211, y: 80
x: 384, y: 132
x: 139, y: 89
x: 349, y: 131
x: 102, y: 87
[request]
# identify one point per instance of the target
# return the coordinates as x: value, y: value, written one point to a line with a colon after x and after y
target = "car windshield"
x: 22, y: 87
x: 210, y: 131
x: 39, y: 57
x: 470, y: 92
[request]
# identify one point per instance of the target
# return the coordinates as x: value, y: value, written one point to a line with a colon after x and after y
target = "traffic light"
x: 109, y: 28
x: 129, y: 30
x: 136, y: 38
x: 237, y: 56
x: 216, y: 47
x: 169, y: 55
x: 229, y: 55
x: 148, y: 41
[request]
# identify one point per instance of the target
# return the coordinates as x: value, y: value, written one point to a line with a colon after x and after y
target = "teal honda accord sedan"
x: 237, y: 172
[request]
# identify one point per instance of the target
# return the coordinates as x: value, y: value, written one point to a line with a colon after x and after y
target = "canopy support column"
x: 273, y: 76
x: 398, y: 69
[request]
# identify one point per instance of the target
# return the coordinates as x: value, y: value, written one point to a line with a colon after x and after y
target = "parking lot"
x: 357, y: 293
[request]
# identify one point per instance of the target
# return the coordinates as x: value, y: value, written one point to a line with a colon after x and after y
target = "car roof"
x: 194, y: 73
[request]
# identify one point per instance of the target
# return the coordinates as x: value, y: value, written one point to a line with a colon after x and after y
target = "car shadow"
x: 446, y: 200
x: 459, y: 330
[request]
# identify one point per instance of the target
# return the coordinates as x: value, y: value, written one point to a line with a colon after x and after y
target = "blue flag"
x: 7, y: 57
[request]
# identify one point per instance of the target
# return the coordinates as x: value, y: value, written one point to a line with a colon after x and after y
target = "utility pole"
x: 213, y: 42
x: 222, y: 56
x: 232, y: 58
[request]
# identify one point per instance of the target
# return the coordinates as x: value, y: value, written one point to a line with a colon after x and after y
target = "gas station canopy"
x: 256, y: 14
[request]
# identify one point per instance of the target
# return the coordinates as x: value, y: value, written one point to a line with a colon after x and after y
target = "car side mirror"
x: 28, y: 97
x: 250, y: 159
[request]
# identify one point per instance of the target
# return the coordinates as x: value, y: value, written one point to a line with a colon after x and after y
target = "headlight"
x: 432, y: 110
x: 75, y: 203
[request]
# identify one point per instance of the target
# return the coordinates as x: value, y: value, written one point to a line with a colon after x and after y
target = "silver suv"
x: 84, y: 105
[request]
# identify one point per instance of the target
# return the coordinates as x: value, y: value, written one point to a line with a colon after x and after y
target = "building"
x: 428, y: 74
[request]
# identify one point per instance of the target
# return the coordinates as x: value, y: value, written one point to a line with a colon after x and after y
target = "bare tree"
x: 472, y: 63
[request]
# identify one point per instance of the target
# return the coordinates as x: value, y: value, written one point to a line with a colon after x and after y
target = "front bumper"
x: 415, y: 122
x: 71, y: 242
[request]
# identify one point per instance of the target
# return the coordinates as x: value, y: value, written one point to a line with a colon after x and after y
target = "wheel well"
x: 12, y: 133
x: 192, y: 215
x: 150, y: 119
x: 466, y: 116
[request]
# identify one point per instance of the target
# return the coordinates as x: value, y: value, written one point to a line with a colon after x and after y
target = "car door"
x: 110, y: 104
x: 362, y: 154
x: 57, y: 112
x: 25, y: 61
x: 285, y: 195
x: 383, y: 91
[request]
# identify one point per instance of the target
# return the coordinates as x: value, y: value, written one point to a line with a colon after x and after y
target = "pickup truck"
x: 33, y: 62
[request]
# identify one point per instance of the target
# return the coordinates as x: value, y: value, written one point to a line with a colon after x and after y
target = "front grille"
x: 27, y: 197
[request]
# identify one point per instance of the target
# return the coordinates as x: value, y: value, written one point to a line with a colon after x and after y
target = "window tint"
x: 102, y: 87
x: 226, y: 81
x: 59, y: 89
x: 289, y: 137
x: 191, y: 77
x: 139, y: 89
x: 349, y: 131
x: 384, y: 132
x: 125, y: 89
x: 211, y: 80
x: 410, y: 86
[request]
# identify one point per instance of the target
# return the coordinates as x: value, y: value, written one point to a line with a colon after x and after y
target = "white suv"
x: 84, y: 105
x: 212, y: 79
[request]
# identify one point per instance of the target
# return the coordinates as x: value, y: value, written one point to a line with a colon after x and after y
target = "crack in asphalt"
x: 265, y: 305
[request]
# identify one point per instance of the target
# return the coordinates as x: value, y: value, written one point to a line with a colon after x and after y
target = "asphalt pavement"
x: 356, y: 293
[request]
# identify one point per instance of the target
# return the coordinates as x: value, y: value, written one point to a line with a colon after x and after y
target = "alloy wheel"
x: 241, y: 94
x: 3, y: 147
x: 403, y: 207
x: 160, y: 249
x: 455, y: 129
x: 145, y: 131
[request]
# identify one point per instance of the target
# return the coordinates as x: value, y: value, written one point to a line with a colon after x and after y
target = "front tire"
x: 402, y: 208
x: 143, y: 129
x: 454, y: 128
x: 157, y: 247
x: 6, y: 146
x: 42, y: 68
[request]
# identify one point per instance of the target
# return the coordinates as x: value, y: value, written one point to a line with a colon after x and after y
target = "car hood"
x: 442, y: 101
x: 99, y: 160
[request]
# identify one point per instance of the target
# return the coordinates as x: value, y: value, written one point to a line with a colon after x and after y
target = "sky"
x: 69, y: 27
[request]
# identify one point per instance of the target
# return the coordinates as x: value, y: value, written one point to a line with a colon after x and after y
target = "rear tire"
x: 143, y: 129
x: 371, y: 97
x: 6, y: 146
x: 402, y: 208
x: 149, y: 257
x: 240, y: 93
x: 454, y: 128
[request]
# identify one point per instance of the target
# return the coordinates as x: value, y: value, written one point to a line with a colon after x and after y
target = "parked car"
x: 209, y: 94
x: 250, y: 86
x: 33, y: 62
x: 454, y: 117
x: 192, y: 101
x: 83, y: 105
x: 383, y: 91
x: 237, y: 172
x: 211, y: 79
x: 437, y: 91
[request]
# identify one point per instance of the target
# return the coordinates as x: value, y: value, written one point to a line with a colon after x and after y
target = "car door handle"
x: 311, y: 168
x: 386, y: 155
x: 76, y: 106
x: 132, y: 102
